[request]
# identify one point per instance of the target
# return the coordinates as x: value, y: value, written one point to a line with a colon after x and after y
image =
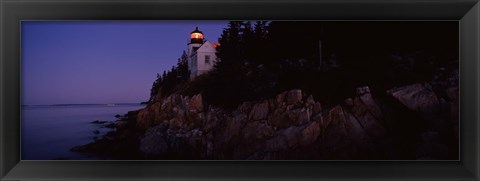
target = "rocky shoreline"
x: 409, y: 122
x: 116, y: 144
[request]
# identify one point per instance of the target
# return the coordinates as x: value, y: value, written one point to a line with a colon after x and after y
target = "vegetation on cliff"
x: 261, y: 59
x: 169, y: 80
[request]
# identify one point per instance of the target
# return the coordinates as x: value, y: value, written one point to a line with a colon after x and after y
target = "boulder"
x: 110, y: 125
x: 253, y: 137
x: 309, y: 104
x: 418, y: 97
x: 234, y: 126
x: 147, y: 116
x: 319, y: 119
x: 310, y: 100
x: 132, y: 114
x: 259, y: 111
x: 212, y: 120
x: 279, y: 118
x: 364, y: 95
x: 357, y: 134
x: 349, y: 102
x: 120, y: 124
x: 98, y: 122
x: 154, y: 143
x: 272, y: 105
x: 196, y: 104
x: 173, y: 100
x: 280, y: 98
x: 369, y: 122
x: 363, y: 90
x: 317, y: 108
x: 310, y: 134
x: 334, y: 115
x: 245, y: 107
x: 294, y: 96
x: 195, y: 120
x: 227, y: 136
x: 177, y: 122
x: 336, y: 141
x: 256, y: 130
x: 284, y: 139
x: 292, y: 135
x: 299, y: 116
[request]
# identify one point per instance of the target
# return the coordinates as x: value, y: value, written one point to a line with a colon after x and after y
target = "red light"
x: 196, y: 35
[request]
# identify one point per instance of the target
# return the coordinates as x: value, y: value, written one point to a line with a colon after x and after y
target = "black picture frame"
x: 467, y: 12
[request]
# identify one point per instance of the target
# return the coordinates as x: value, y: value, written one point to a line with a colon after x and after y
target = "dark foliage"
x: 261, y: 59
x: 168, y: 81
x: 272, y: 57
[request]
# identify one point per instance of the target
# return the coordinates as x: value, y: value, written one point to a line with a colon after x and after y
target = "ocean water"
x: 48, y: 132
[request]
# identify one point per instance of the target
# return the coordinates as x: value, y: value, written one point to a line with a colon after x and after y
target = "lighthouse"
x: 201, y: 54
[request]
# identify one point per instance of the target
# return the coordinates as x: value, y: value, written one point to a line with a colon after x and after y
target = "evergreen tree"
x: 170, y: 79
x: 182, y: 67
x: 155, y: 87
x: 228, y: 77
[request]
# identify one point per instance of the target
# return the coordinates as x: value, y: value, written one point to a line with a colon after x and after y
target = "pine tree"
x: 182, y: 67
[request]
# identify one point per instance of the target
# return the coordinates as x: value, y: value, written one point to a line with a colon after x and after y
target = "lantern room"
x: 196, y: 36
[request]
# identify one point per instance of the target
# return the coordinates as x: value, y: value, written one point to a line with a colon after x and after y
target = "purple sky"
x: 101, y: 61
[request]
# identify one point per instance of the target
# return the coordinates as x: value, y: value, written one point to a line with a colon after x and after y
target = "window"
x: 207, y: 59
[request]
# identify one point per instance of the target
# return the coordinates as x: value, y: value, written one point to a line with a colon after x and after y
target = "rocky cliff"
x: 409, y: 122
x: 293, y: 125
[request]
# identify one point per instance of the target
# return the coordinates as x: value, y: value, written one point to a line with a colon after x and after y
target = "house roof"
x: 206, y: 47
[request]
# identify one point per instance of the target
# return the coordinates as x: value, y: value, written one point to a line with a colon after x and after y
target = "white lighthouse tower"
x: 201, y: 54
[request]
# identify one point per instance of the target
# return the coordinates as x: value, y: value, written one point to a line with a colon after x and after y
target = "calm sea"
x: 49, y: 131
